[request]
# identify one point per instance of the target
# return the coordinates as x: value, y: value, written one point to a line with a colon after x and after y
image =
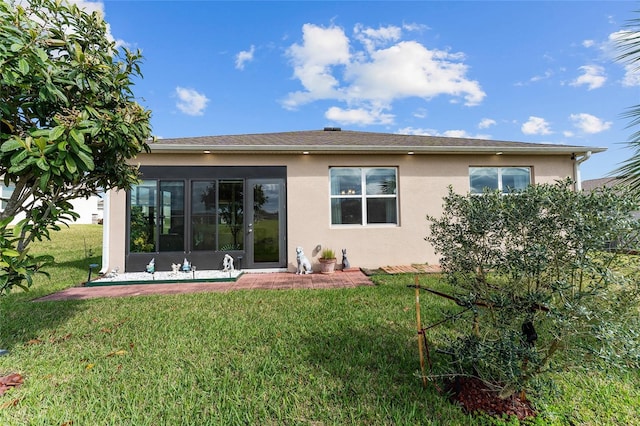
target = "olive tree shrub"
x: 69, y: 122
x: 543, y: 287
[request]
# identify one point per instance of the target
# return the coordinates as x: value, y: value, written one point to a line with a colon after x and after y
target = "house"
x: 259, y: 196
x: 90, y: 210
x: 593, y: 184
x: 617, y: 182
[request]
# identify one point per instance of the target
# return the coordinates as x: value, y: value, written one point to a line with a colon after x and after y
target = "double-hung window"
x: 504, y: 179
x: 364, y: 195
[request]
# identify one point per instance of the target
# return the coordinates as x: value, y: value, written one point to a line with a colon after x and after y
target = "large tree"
x: 69, y: 122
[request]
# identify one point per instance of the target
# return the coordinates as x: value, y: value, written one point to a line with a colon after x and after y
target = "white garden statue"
x: 304, y: 266
x: 227, y: 263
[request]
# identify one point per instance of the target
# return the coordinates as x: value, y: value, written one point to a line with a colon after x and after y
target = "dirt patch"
x: 475, y: 396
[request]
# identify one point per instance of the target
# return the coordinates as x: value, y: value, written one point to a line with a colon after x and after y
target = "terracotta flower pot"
x: 327, y: 266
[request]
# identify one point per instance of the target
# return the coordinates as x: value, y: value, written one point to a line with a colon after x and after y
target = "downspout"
x: 576, y: 168
x: 106, y: 215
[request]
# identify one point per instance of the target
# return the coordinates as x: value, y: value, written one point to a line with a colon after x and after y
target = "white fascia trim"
x: 322, y: 149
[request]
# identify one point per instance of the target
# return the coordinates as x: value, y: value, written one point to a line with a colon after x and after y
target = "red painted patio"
x: 247, y: 281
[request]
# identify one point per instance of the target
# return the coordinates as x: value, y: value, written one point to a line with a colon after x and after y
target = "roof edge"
x: 319, y: 149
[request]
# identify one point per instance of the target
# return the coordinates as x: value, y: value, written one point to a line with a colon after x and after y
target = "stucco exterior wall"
x: 422, y: 183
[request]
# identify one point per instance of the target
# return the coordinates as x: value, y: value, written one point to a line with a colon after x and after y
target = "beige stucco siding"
x: 422, y: 183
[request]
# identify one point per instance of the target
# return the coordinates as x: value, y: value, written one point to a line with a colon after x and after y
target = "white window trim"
x: 364, y: 196
x: 500, y: 169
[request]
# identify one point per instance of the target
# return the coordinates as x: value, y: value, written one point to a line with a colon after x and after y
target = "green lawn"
x: 295, y: 357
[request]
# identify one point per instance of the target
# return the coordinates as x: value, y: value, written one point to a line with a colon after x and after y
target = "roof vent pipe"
x: 332, y: 129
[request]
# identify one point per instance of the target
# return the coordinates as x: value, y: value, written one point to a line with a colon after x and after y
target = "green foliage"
x: 327, y: 253
x: 18, y: 268
x: 68, y: 119
x: 543, y: 289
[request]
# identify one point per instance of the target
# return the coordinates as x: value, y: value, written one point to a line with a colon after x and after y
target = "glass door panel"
x: 231, y: 215
x: 171, y: 215
x: 265, y: 227
x: 142, y: 217
x: 203, y: 215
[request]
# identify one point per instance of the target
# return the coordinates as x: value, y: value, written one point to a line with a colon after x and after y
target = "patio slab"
x: 246, y: 281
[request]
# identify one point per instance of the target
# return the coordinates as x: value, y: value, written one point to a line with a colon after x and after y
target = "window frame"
x: 500, y: 175
x: 364, y: 197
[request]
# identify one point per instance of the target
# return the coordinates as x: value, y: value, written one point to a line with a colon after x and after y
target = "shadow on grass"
x: 21, y: 321
x: 82, y: 264
x: 379, y: 367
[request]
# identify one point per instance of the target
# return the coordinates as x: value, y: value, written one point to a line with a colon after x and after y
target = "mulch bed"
x: 475, y: 397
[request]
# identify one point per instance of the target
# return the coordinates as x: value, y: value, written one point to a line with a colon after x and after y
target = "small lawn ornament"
x: 175, y: 267
x: 345, y: 261
x: 151, y: 266
x: 227, y: 263
x: 186, y: 266
x: 304, y: 266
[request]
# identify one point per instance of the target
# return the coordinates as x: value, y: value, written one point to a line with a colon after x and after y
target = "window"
x: 363, y: 196
x: 159, y: 221
x: 504, y: 179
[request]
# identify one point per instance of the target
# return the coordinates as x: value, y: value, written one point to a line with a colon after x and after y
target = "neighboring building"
x: 258, y: 197
x: 592, y: 184
x: 90, y: 209
x: 611, y: 182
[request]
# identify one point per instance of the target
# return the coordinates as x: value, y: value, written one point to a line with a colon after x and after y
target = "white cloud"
x: 486, y: 123
x: 321, y: 50
x: 456, y: 134
x: 358, y: 116
x: 89, y: 6
x: 408, y: 69
x: 588, y: 123
x: 244, y: 56
x: 415, y: 27
x: 190, y: 101
x: 417, y: 131
x: 536, y: 126
x: 547, y: 74
x: 447, y: 133
x: 593, y: 76
x: 371, y: 78
x: 632, y: 74
x: 421, y: 113
x: 372, y: 38
x: 588, y: 43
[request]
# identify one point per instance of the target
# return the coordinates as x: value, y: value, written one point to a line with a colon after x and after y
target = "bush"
x: 541, y: 291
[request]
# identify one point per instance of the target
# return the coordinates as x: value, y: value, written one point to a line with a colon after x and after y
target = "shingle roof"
x: 344, y: 141
x: 592, y: 184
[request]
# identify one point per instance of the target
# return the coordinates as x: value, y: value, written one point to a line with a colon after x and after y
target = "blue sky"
x: 505, y: 70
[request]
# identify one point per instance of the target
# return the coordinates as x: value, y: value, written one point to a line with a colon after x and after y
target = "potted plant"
x: 327, y: 261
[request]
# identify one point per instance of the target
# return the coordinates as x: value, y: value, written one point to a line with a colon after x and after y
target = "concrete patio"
x: 247, y: 281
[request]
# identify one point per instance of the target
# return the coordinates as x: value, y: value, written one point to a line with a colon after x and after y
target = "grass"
x: 297, y: 357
